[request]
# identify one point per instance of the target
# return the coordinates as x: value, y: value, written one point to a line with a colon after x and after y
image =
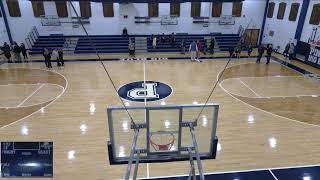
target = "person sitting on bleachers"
x: 163, y: 38
x: 212, y: 44
x: 167, y: 38
x: 172, y: 39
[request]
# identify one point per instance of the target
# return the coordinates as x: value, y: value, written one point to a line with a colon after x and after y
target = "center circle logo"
x: 140, y: 91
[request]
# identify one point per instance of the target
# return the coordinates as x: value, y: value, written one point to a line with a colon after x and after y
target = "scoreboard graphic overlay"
x: 26, y: 159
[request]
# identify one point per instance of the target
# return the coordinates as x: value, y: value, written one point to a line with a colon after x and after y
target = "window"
x: 271, y: 9
x: 108, y: 9
x: 85, y: 8
x: 216, y: 9
x: 153, y: 9
x: 294, y: 11
x: 282, y: 10
x: 38, y: 8
x: 237, y: 9
x: 195, y: 9
x: 175, y: 9
x: 62, y: 9
x: 315, y: 16
x: 13, y: 7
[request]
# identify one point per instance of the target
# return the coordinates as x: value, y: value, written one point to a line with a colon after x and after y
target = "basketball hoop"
x: 169, y: 20
x: 227, y: 20
x: 162, y: 141
x: 50, y: 20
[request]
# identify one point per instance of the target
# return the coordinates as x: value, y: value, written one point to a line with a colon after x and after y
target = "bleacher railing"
x: 242, y: 32
x: 32, y: 37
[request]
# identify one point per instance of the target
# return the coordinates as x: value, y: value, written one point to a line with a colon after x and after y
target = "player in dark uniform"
x: 260, y: 53
x: 269, y: 52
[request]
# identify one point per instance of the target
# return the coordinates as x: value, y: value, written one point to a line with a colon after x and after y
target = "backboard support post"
x: 196, y: 151
x: 132, y: 154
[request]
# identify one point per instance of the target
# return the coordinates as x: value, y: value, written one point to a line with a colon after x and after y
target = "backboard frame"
x: 176, y: 155
x: 227, y: 20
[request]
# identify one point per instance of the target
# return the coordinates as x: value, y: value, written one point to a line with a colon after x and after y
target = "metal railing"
x: 32, y: 37
x: 242, y: 32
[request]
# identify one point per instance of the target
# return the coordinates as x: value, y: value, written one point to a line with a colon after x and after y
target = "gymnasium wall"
x: 307, y: 29
x: 284, y: 30
x: 20, y: 26
x: 3, y: 32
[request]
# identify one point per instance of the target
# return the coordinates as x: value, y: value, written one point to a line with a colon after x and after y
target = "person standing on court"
x: 286, y: 51
x: 6, y: 51
x: 200, y: 49
x: 183, y: 46
x: 238, y: 52
x: 60, y: 52
x: 231, y: 51
x: 47, y: 57
x: 24, y: 52
x: 131, y: 48
x: 291, y: 51
x: 193, y: 51
x: 269, y: 53
x: 260, y: 53
x: 55, y: 57
x: 17, y: 51
x: 250, y: 49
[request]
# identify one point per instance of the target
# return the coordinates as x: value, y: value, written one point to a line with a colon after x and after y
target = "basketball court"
x: 157, y: 114
x: 254, y: 131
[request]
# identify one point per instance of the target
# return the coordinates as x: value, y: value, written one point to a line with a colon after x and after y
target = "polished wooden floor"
x: 269, y: 115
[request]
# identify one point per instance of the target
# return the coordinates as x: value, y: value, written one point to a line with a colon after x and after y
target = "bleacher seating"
x: 103, y: 44
x: 119, y: 44
x: 50, y: 42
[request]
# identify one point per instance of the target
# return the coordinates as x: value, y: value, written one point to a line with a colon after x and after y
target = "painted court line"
x: 282, y: 117
x: 145, y: 104
x: 249, y: 88
x: 26, y: 99
x: 53, y: 100
x: 238, y: 171
x: 274, y: 176
x: 296, y: 96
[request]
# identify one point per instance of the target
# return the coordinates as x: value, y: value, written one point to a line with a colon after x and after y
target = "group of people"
x: 56, y: 54
x: 203, y: 47
x: 235, y: 52
x: 262, y: 49
x: 16, y: 49
x: 196, y: 48
x: 157, y: 39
